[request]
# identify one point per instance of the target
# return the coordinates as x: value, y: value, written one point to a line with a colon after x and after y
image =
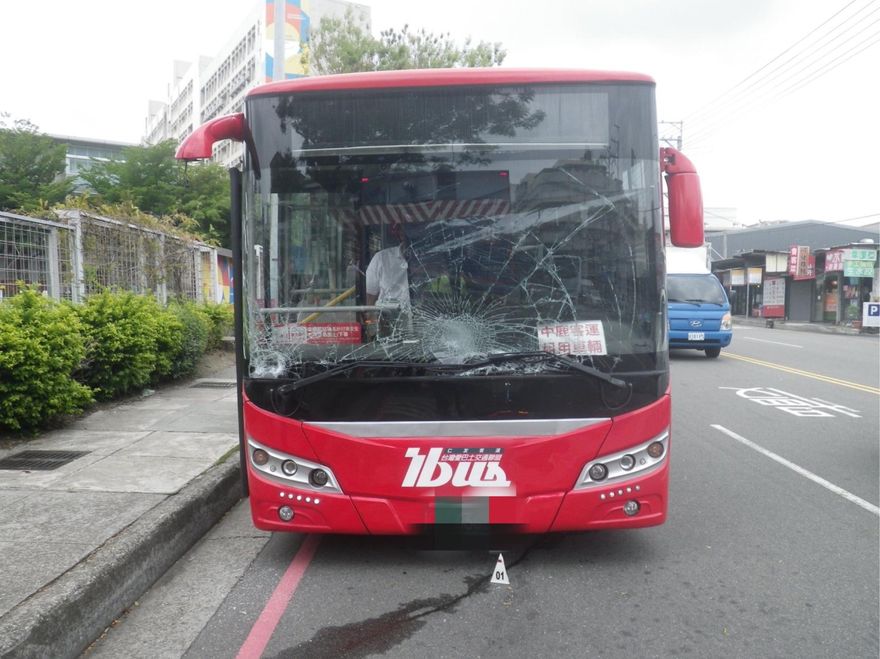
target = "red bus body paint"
x: 268, y: 619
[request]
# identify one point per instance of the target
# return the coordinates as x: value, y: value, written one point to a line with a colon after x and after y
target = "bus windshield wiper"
x: 549, y: 357
x: 347, y: 366
x: 490, y: 360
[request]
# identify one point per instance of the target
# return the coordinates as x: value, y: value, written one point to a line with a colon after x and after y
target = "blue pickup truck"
x: 699, y: 313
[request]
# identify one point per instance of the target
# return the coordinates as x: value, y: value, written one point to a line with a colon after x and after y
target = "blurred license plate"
x: 696, y: 336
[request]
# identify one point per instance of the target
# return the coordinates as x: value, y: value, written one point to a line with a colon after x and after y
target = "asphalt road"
x: 771, y: 548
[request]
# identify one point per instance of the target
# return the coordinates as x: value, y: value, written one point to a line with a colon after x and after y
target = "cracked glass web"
x: 503, y: 244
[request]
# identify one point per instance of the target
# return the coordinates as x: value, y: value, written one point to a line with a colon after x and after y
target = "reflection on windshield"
x: 695, y: 288
x: 450, y: 253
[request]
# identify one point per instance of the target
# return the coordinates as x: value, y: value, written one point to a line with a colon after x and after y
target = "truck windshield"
x: 695, y: 288
x: 445, y: 225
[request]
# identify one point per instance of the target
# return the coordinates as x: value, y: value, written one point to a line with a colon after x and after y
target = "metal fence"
x: 81, y: 253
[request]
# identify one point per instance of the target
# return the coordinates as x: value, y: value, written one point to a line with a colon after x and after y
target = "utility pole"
x: 670, y: 132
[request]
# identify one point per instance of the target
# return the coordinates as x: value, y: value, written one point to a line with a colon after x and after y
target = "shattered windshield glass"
x: 442, y: 226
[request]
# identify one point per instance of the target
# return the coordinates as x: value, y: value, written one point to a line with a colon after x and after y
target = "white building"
x: 212, y: 87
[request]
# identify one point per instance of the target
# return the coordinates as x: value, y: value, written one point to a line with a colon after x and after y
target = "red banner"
x: 801, y: 264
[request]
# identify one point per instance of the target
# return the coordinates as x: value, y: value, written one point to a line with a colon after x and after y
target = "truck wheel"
x: 712, y: 353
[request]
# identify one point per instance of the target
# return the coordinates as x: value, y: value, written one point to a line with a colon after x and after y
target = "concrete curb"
x: 68, y: 614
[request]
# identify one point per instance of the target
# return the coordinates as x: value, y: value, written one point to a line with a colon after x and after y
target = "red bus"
x: 450, y: 299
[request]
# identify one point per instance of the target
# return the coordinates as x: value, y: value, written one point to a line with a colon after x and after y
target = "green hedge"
x: 196, y: 328
x: 56, y: 358
x: 41, y: 346
x: 221, y: 318
x: 122, y: 331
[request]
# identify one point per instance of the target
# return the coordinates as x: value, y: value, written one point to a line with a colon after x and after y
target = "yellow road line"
x: 806, y: 374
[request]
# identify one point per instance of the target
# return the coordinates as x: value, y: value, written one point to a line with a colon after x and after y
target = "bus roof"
x: 443, y: 78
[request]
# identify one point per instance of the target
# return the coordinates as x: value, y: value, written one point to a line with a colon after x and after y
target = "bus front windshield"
x: 448, y: 225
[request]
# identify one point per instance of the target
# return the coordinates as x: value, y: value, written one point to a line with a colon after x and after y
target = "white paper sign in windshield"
x: 584, y: 337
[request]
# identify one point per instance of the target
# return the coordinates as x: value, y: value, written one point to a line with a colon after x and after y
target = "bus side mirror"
x: 685, y: 199
x: 199, y: 143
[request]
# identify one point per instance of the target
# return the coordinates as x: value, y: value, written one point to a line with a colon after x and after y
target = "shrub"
x: 221, y: 322
x: 41, y: 345
x: 122, y: 334
x: 169, y: 344
x: 196, y: 328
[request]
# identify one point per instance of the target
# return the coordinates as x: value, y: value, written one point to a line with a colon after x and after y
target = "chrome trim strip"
x: 409, y: 429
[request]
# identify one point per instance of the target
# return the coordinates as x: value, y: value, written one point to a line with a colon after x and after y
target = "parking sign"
x: 871, y: 314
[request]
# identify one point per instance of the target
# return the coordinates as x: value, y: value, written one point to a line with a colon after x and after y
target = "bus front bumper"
x: 599, y: 507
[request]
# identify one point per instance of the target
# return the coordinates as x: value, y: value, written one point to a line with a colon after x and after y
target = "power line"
x: 859, y: 217
x: 703, y: 132
x: 815, y: 61
x: 787, y: 224
x: 706, y: 108
x: 873, y: 38
x: 815, y: 58
x: 826, y: 44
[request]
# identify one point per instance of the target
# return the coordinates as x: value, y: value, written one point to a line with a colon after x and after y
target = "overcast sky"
x: 781, y: 123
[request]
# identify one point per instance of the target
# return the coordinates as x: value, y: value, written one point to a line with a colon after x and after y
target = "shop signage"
x: 801, y: 264
x: 834, y: 260
x: 774, y: 298
x: 859, y: 262
x: 737, y: 277
x: 755, y: 275
x: 776, y: 262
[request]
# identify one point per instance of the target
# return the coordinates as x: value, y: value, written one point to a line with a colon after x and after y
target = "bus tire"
x: 712, y: 353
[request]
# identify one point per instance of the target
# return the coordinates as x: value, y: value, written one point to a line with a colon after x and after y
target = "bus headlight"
x: 292, y: 470
x: 727, y: 322
x: 607, y: 469
x: 598, y: 471
x: 319, y: 478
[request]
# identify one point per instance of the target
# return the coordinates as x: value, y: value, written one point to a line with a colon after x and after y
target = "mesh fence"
x: 34, y: 252
x: 81, y: 254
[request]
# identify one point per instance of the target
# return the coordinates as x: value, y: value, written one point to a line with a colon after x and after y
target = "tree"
x: 151, y: 179
x: 205, y: 198
x: 344, y: 45
x: 145, y: 176
x: 32, y: 167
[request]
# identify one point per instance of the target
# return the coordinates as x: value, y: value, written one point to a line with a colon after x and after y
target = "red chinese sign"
x: 834, y: 260
x: 801, y: 264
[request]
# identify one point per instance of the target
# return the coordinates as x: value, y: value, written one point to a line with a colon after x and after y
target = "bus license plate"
x: 696, y: 336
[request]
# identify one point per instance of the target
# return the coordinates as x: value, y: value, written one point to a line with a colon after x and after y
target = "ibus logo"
x: 463, y: 467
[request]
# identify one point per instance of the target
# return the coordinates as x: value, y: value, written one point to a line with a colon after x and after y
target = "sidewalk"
x: 130, y: 489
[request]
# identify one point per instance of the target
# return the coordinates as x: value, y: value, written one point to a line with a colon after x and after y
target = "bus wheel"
x: 712, y: 353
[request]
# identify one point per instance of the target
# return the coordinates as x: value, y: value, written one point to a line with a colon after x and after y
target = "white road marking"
x: 778, y: 343
x: 849, y: 496
x: 792, y: 403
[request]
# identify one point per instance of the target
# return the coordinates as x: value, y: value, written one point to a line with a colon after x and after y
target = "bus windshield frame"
x: 526, y: 219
